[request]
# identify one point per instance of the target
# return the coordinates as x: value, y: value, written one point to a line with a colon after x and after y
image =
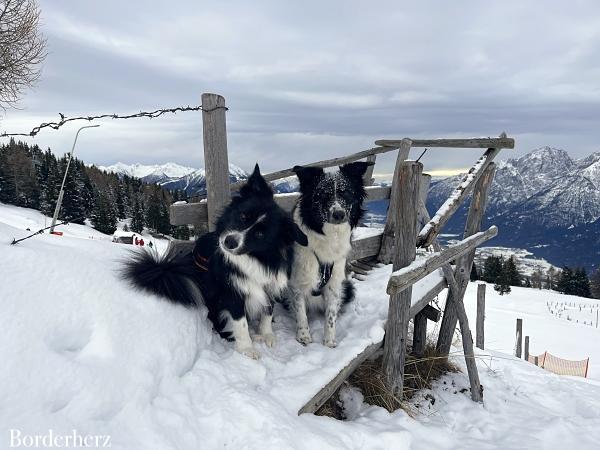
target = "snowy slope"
x: 83, y: 350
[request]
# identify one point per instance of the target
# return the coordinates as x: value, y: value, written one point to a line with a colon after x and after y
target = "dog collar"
x: 201, y: 262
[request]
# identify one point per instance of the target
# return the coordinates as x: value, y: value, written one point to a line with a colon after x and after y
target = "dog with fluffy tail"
x: 237, y: 271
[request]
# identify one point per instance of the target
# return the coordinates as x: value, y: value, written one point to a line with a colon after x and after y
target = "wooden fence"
x: 407, y: 227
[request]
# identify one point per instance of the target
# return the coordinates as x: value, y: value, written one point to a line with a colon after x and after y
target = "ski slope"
x: 82, y: 350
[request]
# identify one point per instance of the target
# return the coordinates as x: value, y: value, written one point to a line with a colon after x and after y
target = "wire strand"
x: 150, y: 114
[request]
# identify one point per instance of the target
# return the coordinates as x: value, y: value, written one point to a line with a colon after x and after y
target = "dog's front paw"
x: 331, y: 343
x: 268, y: 338
x: 303, y: 336
x: 250, y: 352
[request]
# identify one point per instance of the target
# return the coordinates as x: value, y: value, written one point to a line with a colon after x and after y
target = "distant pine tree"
x: 502, y: 285
x: 104, y: 217
x: 595, y: 283
x: 514, y: 277
x: 474, y: 275
x: 137, y: 217
x: 582, y: 283
x: 492, y: 268
x: 527, y: 283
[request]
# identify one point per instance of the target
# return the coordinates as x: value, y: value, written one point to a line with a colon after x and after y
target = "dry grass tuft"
x: 419, y: 374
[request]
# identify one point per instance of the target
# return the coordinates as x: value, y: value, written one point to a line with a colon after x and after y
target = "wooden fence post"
x: 479, y: 324
x: 386, y: 252
x: 526, y: 348
x: 368, y: 176
x: 463, y: 265
x: 420, y: 320
x: 519, y: 336
x: 406, y: 186
x: 216, y: 164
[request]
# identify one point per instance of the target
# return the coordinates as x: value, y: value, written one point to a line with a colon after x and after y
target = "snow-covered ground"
x: 81, y: 350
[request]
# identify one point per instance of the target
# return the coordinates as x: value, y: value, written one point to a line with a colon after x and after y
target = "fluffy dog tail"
x: 172, y: 275
x: 348, y: 292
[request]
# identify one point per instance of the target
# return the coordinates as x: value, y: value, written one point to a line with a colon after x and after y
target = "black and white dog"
x: 240, y: 269
x: 329, y: 207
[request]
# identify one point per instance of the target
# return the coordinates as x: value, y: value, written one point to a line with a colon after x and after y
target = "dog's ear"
x: 308, y: 175
x: 292, y: 233
x: 355, y: 170
x: 256, y: 185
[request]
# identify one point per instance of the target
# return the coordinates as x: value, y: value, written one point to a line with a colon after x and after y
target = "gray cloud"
x: 311, y: 80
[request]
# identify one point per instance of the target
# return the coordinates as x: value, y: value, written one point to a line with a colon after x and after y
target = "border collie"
x: 329, y: 207
x: 240, y: 269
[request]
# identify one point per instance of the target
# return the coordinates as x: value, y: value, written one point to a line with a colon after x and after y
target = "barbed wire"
x: 150, y: 114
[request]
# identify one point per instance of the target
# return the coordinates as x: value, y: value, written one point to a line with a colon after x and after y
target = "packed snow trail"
x: 82, y: 350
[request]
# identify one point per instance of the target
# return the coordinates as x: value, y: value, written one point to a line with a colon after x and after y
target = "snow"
x: 167, y: 170
x: 83, y: 350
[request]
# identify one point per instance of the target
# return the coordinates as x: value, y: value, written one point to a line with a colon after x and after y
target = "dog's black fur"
x: 240, y: 269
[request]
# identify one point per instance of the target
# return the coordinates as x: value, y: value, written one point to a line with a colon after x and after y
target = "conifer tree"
x: 137, y: 217
x: 595, y: 283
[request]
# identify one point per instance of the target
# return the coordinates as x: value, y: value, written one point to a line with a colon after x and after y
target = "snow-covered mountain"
x: 194, y: 183
x: 542, y: 202
x: 154, y: 173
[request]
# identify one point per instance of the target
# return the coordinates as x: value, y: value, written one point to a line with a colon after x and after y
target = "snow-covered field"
x: 81, y: 350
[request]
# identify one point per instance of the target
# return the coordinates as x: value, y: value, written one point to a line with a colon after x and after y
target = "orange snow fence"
x: 561, y: 366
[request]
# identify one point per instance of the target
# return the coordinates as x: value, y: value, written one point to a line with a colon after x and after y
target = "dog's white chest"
x: 257, y: 283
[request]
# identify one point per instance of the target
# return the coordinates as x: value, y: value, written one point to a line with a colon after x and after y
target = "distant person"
x: 136, y: 241
x: 141, y: 242
x: 150, y: 244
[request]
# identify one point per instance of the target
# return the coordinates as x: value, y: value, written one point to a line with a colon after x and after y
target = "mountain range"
x: 545, y: 202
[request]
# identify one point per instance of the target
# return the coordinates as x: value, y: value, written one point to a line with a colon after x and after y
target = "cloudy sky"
x: 315, y: 79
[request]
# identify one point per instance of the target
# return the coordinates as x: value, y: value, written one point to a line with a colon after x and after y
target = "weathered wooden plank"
x: 197, y: 213
x: 368, y: 176
x: 526, y: 354
x: 365, y: 247
x: 519, y: 338
x: 464, y: 263
x: 407, y: 276
x: 419, y: 334
x: 427, y: 298
x: 454, y: 291
x: 329, y: 389
x: 501, y: 142
x: 323, y: 164
x: 432, y: 313
x: 479, y: 325
x: 387, y: 242
x: 406, y: 192
x: 215, y: 156
x: 460, y: 193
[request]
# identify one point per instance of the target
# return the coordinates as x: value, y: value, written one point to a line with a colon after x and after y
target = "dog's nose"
x: 339, y: 214
x: 231, y: 242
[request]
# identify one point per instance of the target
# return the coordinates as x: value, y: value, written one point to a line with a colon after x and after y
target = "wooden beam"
x: 197, y: 213
x: 454, y: 291
x: 419, y: 334
x: 519, y: 338
x: 215, y: 156
x: 432, y: 313
x: 464, y: 263
x: 323, y: 164
x: 479, y: 324
x: 460, y: 193
x: 501, y: 142
x: 368, y: 176
x: 407, y: 276
x: 332, y: 386
x: 406, y: 191
x: 387, y: 242
x: 526, y: 355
